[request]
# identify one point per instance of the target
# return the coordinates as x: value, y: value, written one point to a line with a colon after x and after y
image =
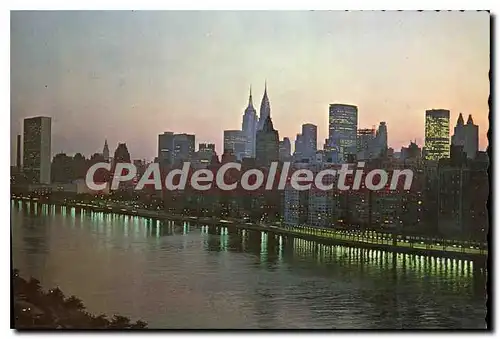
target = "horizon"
x: 116, y: 76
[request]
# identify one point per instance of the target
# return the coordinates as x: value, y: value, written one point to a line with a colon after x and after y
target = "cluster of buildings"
x: 448, y: 195
x: 37, y: 172
x: 445, y: 170
x: 257, y: 139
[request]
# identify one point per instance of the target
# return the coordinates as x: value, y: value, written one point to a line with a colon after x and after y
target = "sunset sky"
x: 129, y: 76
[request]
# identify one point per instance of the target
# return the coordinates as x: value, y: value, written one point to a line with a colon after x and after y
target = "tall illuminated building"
x: 249, y: 127
x: 343, y: 129
x: 37, y: 149
x: 437, y: 134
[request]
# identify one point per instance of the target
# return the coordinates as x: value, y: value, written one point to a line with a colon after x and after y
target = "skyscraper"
x: 37, y: 149
x: 298, y: 152
x: 184, y: 145
x: 285, y: 149
x: 204, y: 155
x: 382, y: 136
x: 105, y: 151
x: 121, y: 154
x: 412, y: 152
x: 466, y: 136
x: 458, y: 137
x: 236, y: 142
x: 343, y: 128
x: 166, y: 148
x: 267, y: 144
x: 309, y: 139
x: 437, y: 134
x: 365, y: 143
x: 175, y: 148
x: 471, y: 138
x: 265, y: 109
x: 249, y: 127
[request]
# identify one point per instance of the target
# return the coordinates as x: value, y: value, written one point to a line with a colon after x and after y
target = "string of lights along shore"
x: 436, y: 192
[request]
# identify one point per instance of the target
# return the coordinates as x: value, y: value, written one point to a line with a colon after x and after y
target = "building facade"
x: 298, y: 152
x: 203, y: 157
x: 166, y: 148
x: 309, y: 139
x: 37, y: 149
x: 184, y: 147
x: 285, y: 149
x: 249, y: 127
x: 381, y: 137
x: 267, y: 144
x: 437, y: 134
x: 236, y: 142
x: 466, y: 135
x: 175, y: 148
x: 265, y: 110
x: 342, y: 129
x: 412, y: 152
x: 463, y: 189
x: 365, y: 143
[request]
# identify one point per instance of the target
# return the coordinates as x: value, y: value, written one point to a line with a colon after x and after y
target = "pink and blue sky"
x: 129, y: 76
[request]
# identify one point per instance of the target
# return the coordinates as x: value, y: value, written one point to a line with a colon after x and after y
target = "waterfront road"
x: 353, y: 237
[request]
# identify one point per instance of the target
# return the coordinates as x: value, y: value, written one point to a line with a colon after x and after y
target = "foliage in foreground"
x: 37, y: 309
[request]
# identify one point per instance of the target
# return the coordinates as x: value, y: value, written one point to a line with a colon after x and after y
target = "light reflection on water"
x: 186, y: 276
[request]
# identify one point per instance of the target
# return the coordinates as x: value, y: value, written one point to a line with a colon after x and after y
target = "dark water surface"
x: 182, y: 276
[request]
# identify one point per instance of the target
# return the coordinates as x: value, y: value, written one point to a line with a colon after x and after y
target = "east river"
x: 177, y: 275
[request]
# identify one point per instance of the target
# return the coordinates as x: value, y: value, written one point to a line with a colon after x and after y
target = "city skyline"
x: 96, y: 84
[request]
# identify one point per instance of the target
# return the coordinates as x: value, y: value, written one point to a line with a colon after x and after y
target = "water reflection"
x: 218, y: 276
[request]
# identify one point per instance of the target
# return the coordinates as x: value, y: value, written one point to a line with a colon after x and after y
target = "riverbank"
x: 369, y: 239
x: 37, y: 309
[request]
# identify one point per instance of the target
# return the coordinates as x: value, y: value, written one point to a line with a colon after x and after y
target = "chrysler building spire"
x: 265, y: 108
